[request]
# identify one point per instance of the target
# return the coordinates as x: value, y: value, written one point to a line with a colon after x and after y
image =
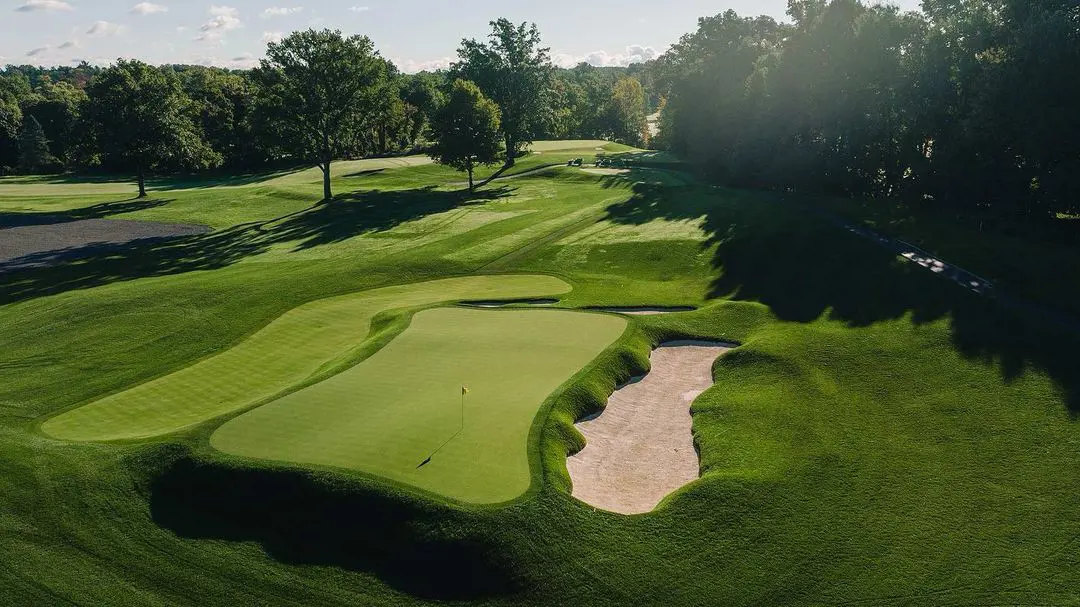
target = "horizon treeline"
x: 46, y: 125
x: 966, y: 105
x: 969, y: 105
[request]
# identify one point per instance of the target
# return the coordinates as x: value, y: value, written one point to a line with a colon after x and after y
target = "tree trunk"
x: 470, y: 169
x: 327, y: 193
x: 142, y: 182
x: 382, y: 139
x: 511, y: 150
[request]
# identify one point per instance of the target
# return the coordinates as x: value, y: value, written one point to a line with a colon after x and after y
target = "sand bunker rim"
x: 640, y: 447
x: 642, y: 310
x: 508, y: 303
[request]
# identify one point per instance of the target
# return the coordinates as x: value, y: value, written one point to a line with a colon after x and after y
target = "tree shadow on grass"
x: 102, y: 210
x: 302, y: 521
x: 325, y: 223
x: 211, y: 179
x: 770, y: 249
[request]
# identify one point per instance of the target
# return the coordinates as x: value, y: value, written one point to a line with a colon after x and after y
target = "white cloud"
x: 104, y: 28
x: 634, y: 53
x: 411, y: 66
x: 281, y: 11
x: 69, y: 44
x: 224, y: 19
x: 245, y: 61
x: 41, y: 50
x: 269, y: 37
x: 359, y: 9
x: 148, y: 8
x: 49, y: 6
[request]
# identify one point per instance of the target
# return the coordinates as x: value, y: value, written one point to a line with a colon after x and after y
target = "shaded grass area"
x: 1026, y: 258
x: 880, y: 437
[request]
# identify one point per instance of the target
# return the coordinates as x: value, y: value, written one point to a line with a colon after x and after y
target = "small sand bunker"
x: 606, y: 171
x: 640, y: 448
x: 645, y: 310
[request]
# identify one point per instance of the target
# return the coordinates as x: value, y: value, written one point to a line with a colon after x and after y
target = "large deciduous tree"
x: 627, y: 112
x: 467, y: 130
x: 323, y: 90
x: 514, y: 71
x: 141, y: 118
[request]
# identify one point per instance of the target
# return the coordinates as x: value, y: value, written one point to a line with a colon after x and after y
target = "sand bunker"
x: 645, y: 310
x: 606, y: 171
x: 41, y: 241
x: 640, y: 448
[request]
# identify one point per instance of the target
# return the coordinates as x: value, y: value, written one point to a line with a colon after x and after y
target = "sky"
x: 415, y: 34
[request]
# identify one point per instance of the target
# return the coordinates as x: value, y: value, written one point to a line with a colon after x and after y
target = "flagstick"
x: 461, y: 429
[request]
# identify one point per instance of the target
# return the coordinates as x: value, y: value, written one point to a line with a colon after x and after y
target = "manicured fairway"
x: 387, y: 414
x: 286, y: 352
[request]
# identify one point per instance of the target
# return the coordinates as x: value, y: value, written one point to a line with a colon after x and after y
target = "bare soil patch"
x: 43, y: 241
x: 641, y: 448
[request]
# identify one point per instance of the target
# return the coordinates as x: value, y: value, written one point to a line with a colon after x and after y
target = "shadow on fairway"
x: 301, y: 521
x: 325, y: 223
x: 102, y: 210
x: 180, y: 182
x: 771, y: 249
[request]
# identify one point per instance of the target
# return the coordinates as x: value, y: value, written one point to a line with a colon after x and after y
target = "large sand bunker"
x: 640, y: 448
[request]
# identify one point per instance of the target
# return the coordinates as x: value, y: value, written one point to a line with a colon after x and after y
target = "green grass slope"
x: 389, y: 413
x: 287, y: 352
x: 879, y: 438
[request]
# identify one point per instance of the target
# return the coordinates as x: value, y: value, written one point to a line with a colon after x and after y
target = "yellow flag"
x: 464, y: 390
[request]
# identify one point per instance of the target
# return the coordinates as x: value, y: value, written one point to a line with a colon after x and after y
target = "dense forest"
x: 968, y: 104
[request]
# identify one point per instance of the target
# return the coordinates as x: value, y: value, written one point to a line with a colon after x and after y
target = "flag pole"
x: 461, y: 428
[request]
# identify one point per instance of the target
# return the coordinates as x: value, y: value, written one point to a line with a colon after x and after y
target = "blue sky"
x: 415, y: 34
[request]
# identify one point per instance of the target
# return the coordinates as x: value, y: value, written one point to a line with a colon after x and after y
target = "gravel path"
x: 44, y: 243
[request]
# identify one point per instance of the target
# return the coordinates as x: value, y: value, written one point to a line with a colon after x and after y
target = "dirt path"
x: 641, y: 448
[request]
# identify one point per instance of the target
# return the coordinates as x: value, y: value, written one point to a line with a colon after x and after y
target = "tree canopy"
x: 321, y: 89
x: 513, y: 70
x: 467, y: 129
x: 141, y: 117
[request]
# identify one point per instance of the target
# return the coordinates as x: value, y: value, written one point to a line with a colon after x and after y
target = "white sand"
x: 641, y: 449
x: 606, y: 171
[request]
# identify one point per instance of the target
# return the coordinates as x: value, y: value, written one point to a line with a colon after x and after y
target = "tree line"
x: 969, y: 106
x: 318, y: 96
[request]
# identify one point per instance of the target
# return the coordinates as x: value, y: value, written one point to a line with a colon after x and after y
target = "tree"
x: 57, y: 106
x: 322, y: 89
x: 513, y: 70
x: 627, y: 110
x: 142, y: 119
x: 34, y: 154
x: 467, y: 130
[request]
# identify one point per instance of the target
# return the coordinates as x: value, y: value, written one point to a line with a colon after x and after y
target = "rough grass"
x: 881, y: 437
x: 389, y: 413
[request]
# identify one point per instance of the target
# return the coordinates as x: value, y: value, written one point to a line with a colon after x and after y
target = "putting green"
x: 288, y: 351
x: 390, y: 412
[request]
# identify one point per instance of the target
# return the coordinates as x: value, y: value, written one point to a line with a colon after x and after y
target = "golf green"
x: 388, y: 414
x: 288, y: 351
